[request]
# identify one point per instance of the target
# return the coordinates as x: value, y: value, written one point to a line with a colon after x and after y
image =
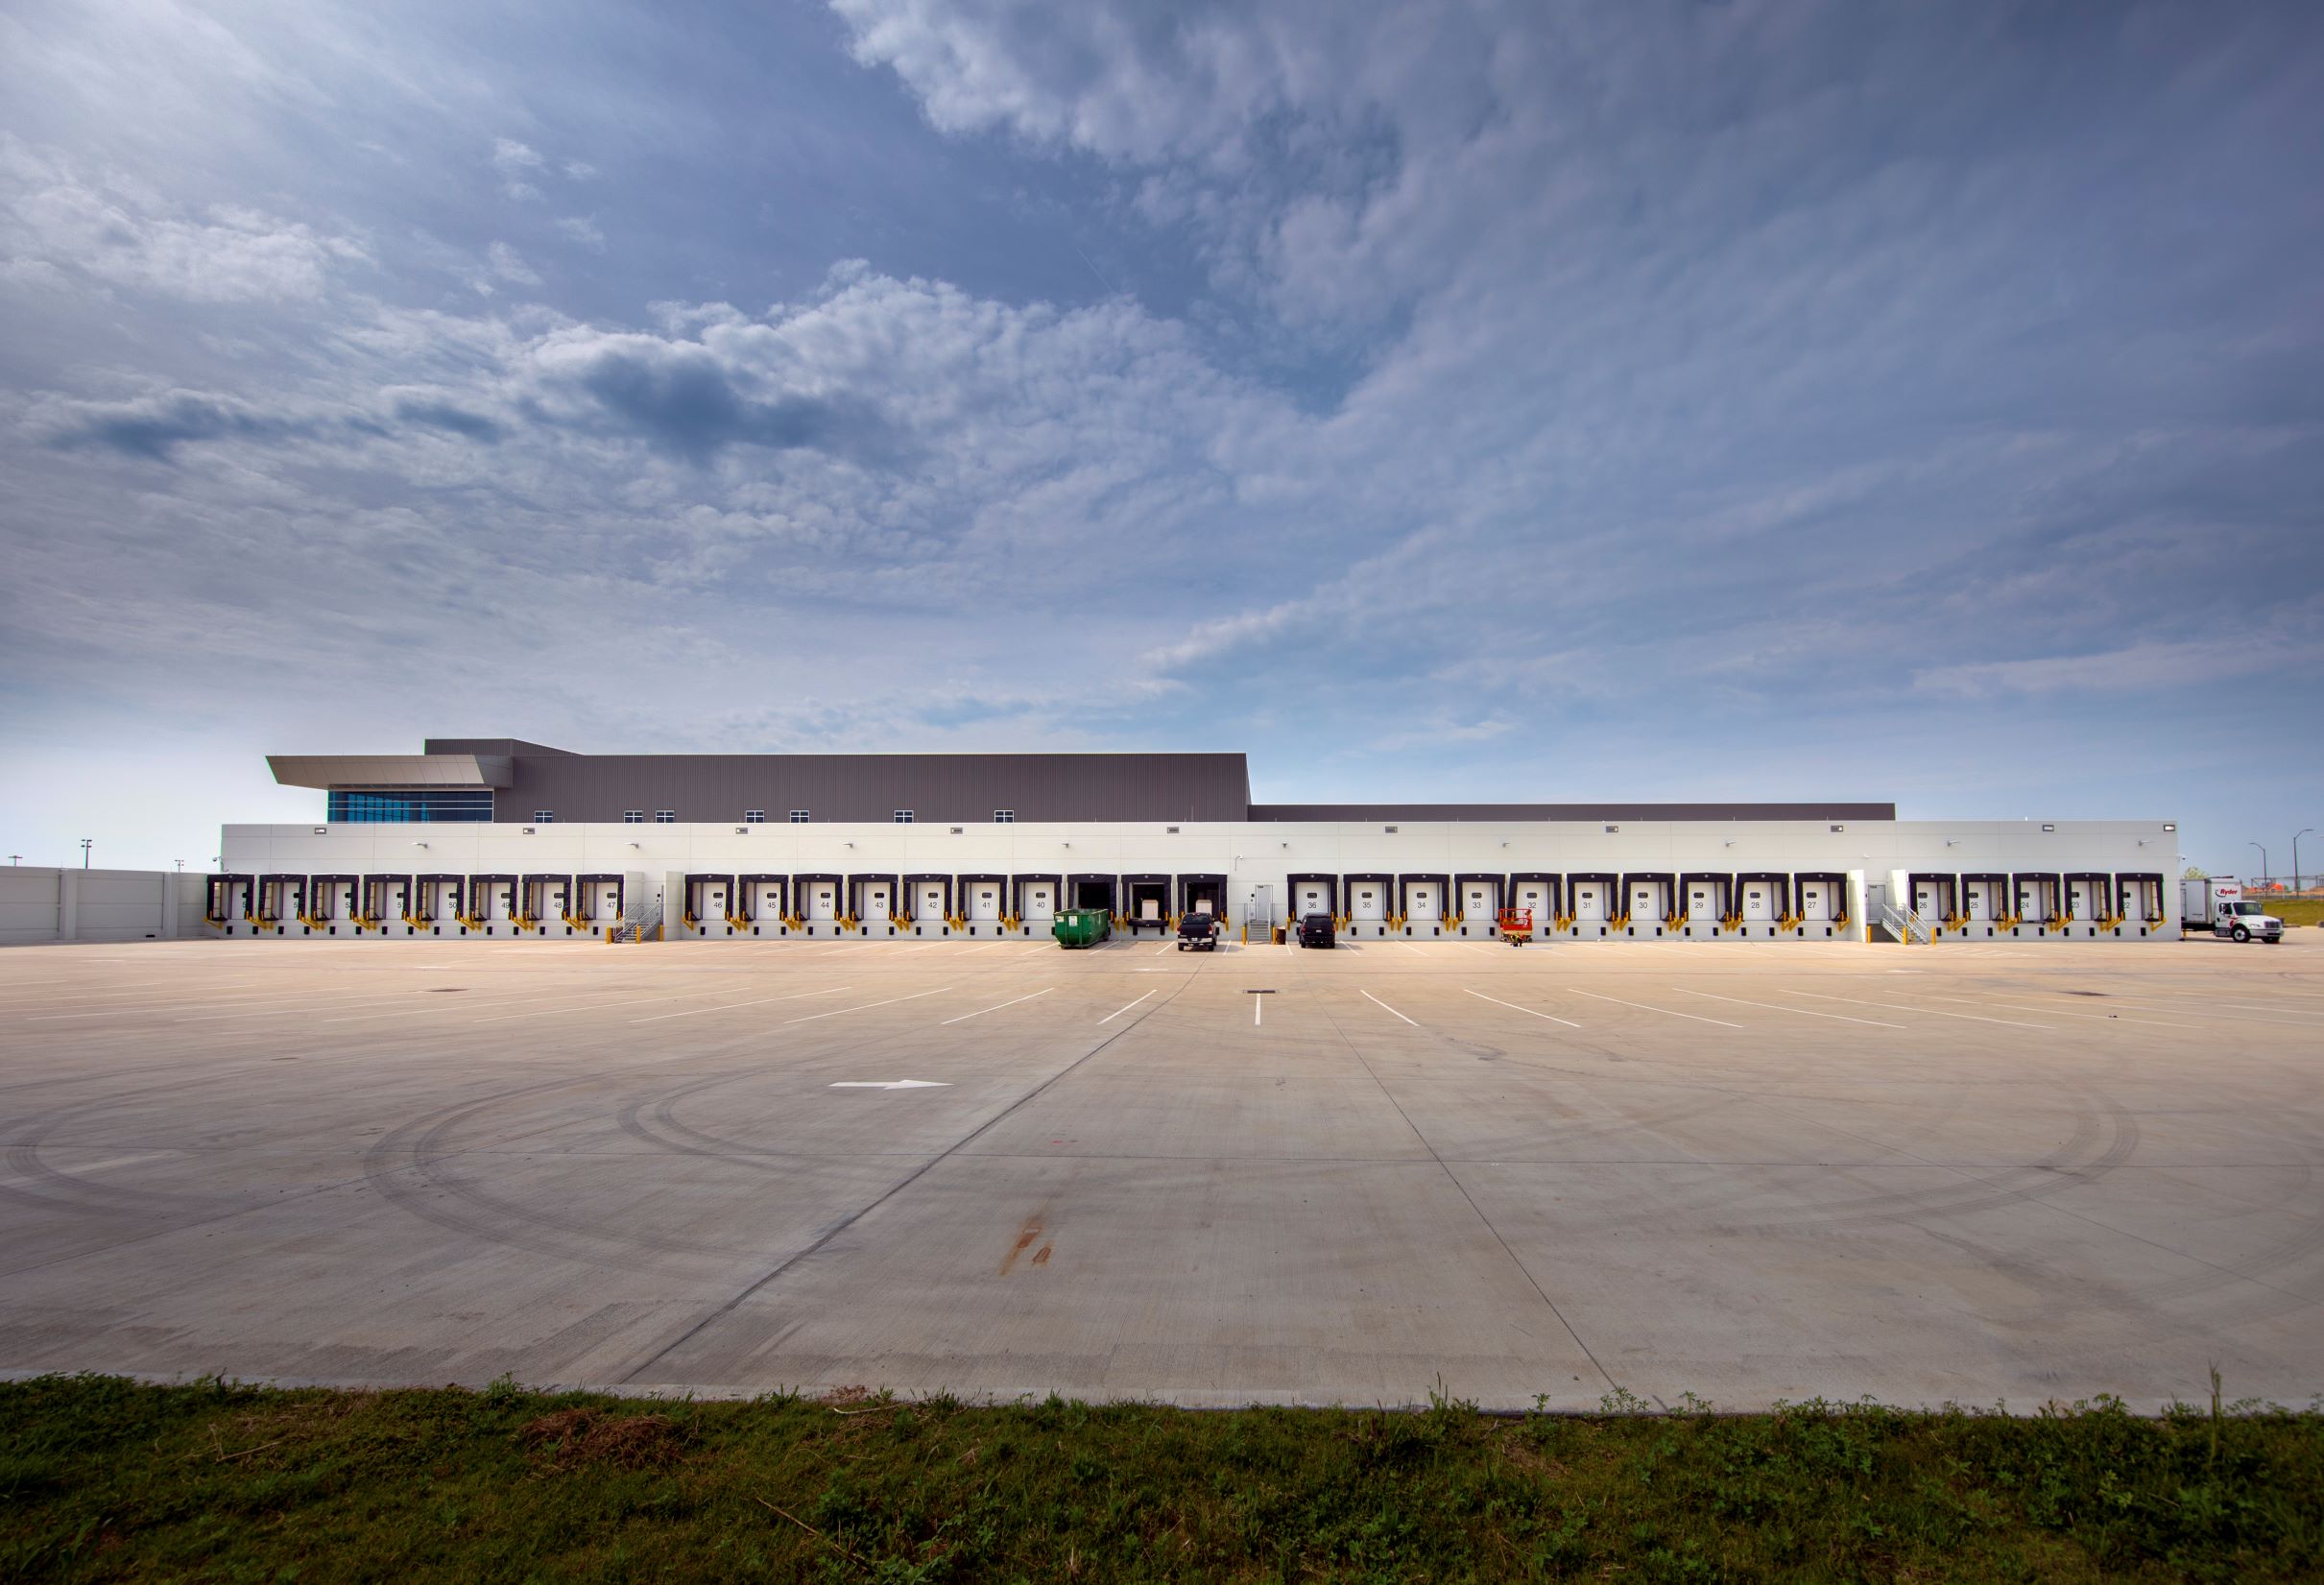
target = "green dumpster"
x: 1082, y: 927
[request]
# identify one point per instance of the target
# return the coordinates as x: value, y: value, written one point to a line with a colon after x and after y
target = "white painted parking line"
x: 862, y: 1006
x: 998, y: 1005
x: 1120, y: 1011
x: 403, y: 1002
x: 1377, y: 1002
x: 1513, y: 1006
x: 890, y: 1084
x: 730, y: 1006
x: 2062, y: 1013
x: 1159, y: 951
x: 585, y: 1007
x: 1933, y: 1012
x: 2266, y: 1007
x: 1803, y: 1012
x: 1643, y: 1008
x: 1257, y: 1003
x: 2183, y: 1010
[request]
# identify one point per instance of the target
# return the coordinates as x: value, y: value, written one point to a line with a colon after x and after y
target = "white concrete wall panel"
x: 1249, y: 854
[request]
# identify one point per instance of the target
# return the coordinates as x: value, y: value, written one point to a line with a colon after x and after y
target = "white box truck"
x: 2221, y: 907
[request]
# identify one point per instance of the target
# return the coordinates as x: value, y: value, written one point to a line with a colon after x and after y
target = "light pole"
x: 85, y: 843
x: 2262, y: 847
x: 2305, y: 830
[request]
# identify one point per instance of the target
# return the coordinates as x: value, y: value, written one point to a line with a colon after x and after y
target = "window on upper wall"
x: 405, y: 805
x: 632, y: 817
x: 903, y: 817
x: 543, y: 817
x: 1004, y: 817
x: 754, y: 817
x: 799, y: 817
x: 665, y: 817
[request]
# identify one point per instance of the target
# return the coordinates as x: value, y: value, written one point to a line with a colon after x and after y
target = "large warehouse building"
x: 502, y: 838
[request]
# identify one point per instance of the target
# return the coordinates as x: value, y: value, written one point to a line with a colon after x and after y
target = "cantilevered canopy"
x: 392, y: 770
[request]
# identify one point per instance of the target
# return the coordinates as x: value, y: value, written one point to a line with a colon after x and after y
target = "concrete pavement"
x: 1750, y: 1171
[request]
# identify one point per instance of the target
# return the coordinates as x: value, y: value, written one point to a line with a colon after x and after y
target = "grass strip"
x: 105, y: 1479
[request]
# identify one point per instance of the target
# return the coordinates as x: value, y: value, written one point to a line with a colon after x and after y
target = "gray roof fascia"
x: 392, y: 770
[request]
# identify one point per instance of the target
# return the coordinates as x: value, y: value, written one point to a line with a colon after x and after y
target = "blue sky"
x: 1548, y: 400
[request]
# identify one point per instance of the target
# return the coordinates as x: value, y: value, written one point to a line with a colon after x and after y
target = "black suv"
x: 1199, y: 931
x: 1315, y: 930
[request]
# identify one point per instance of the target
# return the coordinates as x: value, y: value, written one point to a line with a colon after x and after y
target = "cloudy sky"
x: 1663, y: 400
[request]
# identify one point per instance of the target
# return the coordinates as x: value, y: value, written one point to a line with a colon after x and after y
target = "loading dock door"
x: 1476, y: 903
x: 1590, y: 904
x: 1041, y: 902
x: 984, y: 901
x: 1758, y: 903
x: 1533, y: 895
x: 929, y: 901
x: 1312, y: 897
x: 1421, y: 901
x: 823, y: 900
x: 2087, y: 906
x: 1815, y: 902
x: 1645, y: 903
x: 766, y: 902
x: 1702, y: 903
x: 1204, y: 899
x: 1368, y: 901
x: 877, y: 902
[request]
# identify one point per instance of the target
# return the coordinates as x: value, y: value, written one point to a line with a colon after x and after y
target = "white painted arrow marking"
x: 890, y: 1084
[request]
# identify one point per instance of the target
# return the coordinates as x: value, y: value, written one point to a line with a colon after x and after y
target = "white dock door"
x: 823, y: 900
x: 1421, y: 901
x: 1476, y: 903
x: 929, y: 901
x: 1534, y: 896
x: 1816, y: 901
x: 984, y: 901
x: 878, y: 901
x: 1590, y: 903
x: 1758, y: 903
x: 1041, y: 902
x: 1368, y: 901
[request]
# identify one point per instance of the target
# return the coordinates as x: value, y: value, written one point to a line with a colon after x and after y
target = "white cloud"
x: 56, y: 225
x: 580, y: 170
x: 516, y: 164
x: 2133, y: 668
x: 509, y: 265
x: 584, y: 229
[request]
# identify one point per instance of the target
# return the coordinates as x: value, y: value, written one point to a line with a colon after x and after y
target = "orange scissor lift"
x: 1516, y: 926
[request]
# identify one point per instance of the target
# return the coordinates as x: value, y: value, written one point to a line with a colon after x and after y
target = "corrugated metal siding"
x: 1326, y: 813
x: 946, y: 789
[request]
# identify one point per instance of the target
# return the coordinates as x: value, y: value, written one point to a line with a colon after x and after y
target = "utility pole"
x: 84, y: 845
x: 2305, y: 830
x: 2262, y: 847
x: 14, y: 860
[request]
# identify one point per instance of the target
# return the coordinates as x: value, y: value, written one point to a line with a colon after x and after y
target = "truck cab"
x: 2221, y: 907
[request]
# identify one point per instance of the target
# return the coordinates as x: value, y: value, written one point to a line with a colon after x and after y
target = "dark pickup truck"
x: 1200, y: 932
